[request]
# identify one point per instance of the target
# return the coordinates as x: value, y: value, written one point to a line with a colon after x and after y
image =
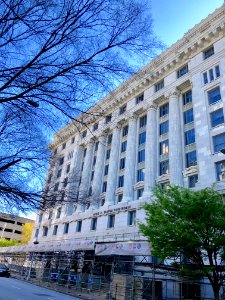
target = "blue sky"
x: 175, y: 17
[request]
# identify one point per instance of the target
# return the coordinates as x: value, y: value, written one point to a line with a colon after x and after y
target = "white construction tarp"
x: 123, y: 248
x: 67, y: 245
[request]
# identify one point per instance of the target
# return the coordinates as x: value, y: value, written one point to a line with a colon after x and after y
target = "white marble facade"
x: 164, y: 125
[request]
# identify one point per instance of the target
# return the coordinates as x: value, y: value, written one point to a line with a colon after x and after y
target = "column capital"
x: 172, y: 93
x: 151, y: 106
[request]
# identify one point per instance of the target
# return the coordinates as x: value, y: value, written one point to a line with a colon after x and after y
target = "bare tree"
x: 57, y: 57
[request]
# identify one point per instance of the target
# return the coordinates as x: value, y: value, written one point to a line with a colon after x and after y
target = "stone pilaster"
x: 150, y: 151
x: 129, y: 175
x: 99, y: 168
x: 113, y: 167
x: 175, y: 140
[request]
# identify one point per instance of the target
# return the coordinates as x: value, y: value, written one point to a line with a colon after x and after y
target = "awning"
x: 123, y: 248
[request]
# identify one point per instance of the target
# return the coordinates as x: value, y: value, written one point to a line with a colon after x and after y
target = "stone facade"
x: 163, y: 125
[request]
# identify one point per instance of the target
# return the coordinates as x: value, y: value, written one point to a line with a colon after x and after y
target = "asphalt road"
x: 13, y: 289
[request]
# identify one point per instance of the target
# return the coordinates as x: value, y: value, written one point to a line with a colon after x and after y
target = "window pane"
x: 140, y: 175
x: 219, y: 142
x: 143, y: 121
x: 142, y: 138
x: 188, y: 116
x: 124, y: 146
x: 220, y: 170
x: 214, y: 95
x: 164, y: 167
x: 121, y: 181
x: 205, y: 78
x: 217, y: 71
x: 164, y: 110
x: 164, y: 127
x: 217, y: 117
x: 164, y: 147
x: 141, y: 155
x: 191, y: 159
x: 190, y: 137
x: 209, y: 52
x: 192, y: 180
x: 187, y: 97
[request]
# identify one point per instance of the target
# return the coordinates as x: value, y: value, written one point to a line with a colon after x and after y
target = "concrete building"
x: 10, y: 226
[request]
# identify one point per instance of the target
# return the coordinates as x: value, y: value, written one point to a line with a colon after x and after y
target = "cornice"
x: 193, y: 42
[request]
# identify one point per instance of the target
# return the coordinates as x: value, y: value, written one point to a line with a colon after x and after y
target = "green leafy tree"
x: 8, y: 243
x: 191, y: 224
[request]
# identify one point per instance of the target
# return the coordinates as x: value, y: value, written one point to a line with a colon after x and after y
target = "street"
x: 13, y: 289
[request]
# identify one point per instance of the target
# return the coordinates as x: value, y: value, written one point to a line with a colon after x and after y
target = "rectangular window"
x: 211, y: 75
x: 192, y: 180
x: 67, y: 168
x: 187, y: 97
x: 56, y: 187
x: 125, y: 131
x: 92, y: 175
x: 108, y: 153
x: 79, y: 226
x: 220, y: 170
x: 106, y: 170
x: 45, y: 231
x: 164, y: 127
x: 124, y: 146
x: 217, y: 71
x: 141, y: 155
x: 188, y: 116
x: 72, y: 140
x: 63, y: 146
x: 40, y: 218
x: 219, y: 142
x: 190, y: 137
x: 131, y: 218
x: 214, y: 95
x: 55, y: 229
x: 140, y: 193
x: 123, y: 109
x: 205, y: 77
x: 96, y: 146
x: 191, y: 159
x: 58, y: 214
x: 119, y: 198
x: 164, y: 110
x: 61, y: 160
x: 85, y: 152
x: 66, y: 228
x: 164, y: 167
x: 122, y: 163
x: 109, y: 140
x: 140, y: 98
x: 93, y: 223
x: 159, y: 86
x: 94, y: 160
x: 104, y: 186
x: 50, y: 215
x: 142, y: 137
x: 140, y: 175
x: 217, y: 117
x: 182, y: 71
x: 164, y: 147
x: 121, y: 181
x: 36, y: 233
x: 143, y: 121
x: 84, y: 133
x: 95, y: 126
x: 111, y: 221
x: 65, y: 182
x: 209, y: 52
x: 59, y: 173
x: 108, y: 118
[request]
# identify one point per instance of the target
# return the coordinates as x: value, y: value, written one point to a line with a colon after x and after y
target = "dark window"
x: 182, y: 71
x: 187, y: 97
x: 123, y: 109
x: 108, y: 118
x: 109, y: 141
x: 122, y: 163
x: 111, y: 221
x: 95, y: 126
x: 140, y: 98
x: 140, y: 193
x: 50, y: 215
x: 94, y: 160
x: 140, y: 175
x: 55, y: 229
x: 45, y: 231
x: 65, y: 182
x: 93, y: 223
x: 188, y: 116
x: 190, y: 137
x: 13, y: 222
x: 159, y: 86
x: 191, y: 159
x: 36, y: 233
x: 217, y: 71
x: 214, y: 95
x: 205, y: 78
x: 82, y: 166
x: 164, y: 127
x: 220, y: 170
x: 9, y: 230
x: 219, y: 142
x: 131, y: 218
x: 9, y: 221
x: 58, y: 214
x: 192, y: 180
x: 40, y: 218
x: 84, y: 133
x: 121, y: 181
x: 96, y: 146
x: 106, y: 170
x: 73, y: 140
x: 79, y: 226
x: 141, y: 155
x: 211, y: 75
x: 102, y: 202
x: 17, y: 231
x: 108, y: 153
x: 143, y: 121
x: 56, y: 187
x: 119, y: 198
x: 59, y: 173
x: 85, y: 152
x: 164, y: 147
x: 63, y: 146
x: 209, y: 52
x: 67, y: 168
x: 90, y: 192
x: 66, y: 228
x: 164, y: 167
x: 92, y: 175
x: 142, y: 137
x: 164, y: 110
x: 61, y: 160
x: 124, y: 146
x: 217, y: 117
x: 125, y: 130
x: 104, y: 186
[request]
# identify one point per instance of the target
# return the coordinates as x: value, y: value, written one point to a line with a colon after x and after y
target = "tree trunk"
x: 216, y: 291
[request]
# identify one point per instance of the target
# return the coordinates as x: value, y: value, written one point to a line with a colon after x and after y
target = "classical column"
x: 86, y: 174
x: 99, y: 167
x: 175, y: 141
x: 129, y: 175
x: 150, y: 151
x: 113, y: 167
